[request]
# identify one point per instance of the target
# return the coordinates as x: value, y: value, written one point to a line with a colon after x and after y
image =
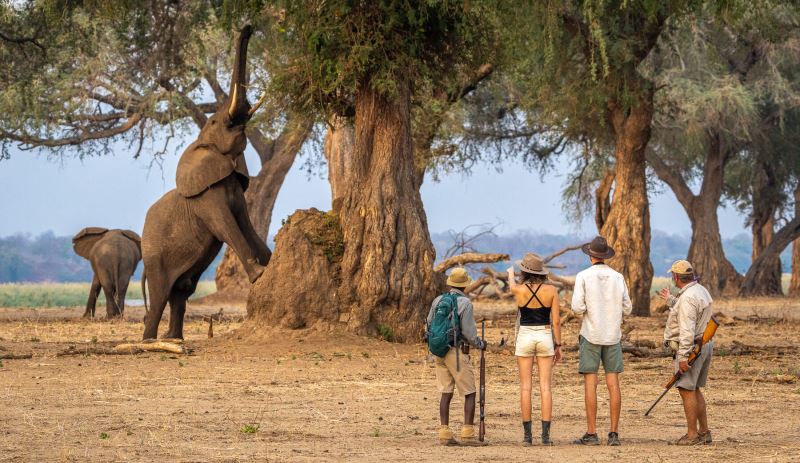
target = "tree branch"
x: 469, y: 258
x: 673, y: 179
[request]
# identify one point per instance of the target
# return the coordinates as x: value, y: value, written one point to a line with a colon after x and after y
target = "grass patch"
x: 386, y: 332
x: 70, y: 294
x: 249, y: 429
x: 104, y: 435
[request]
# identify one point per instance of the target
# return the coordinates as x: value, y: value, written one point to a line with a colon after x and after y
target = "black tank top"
x: 539, y: 316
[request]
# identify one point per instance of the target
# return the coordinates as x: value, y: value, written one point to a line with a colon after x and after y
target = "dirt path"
x: 310, y: 396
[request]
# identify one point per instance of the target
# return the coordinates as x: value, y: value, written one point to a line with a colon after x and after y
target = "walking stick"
x: 482, y: 427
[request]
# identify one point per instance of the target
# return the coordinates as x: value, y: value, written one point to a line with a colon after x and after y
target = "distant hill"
x: 24, y: 258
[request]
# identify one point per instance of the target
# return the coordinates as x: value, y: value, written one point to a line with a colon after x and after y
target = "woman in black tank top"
x: 538, y: 339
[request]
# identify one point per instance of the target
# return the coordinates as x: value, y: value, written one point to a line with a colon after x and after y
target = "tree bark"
x: 277, y: 157
x: 766, y: 279
x: 705, y: 251
x: 603, y: 199
x: 387, y: 267
x: 794, y: 285
x: 339, y: 151
x: 627, y: 228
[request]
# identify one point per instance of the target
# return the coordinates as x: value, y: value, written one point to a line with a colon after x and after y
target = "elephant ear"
x: 133, y: 236
x: 201, y: 166
x: 85, y: 240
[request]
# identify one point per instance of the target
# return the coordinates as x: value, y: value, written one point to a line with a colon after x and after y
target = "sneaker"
x: 613, y: 439
x: 706, y: 437
x: 684, y: 440
x: 446, y: 436
x: 588, y: 439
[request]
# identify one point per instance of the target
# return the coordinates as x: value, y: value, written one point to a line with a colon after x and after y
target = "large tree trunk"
x: 705, y: 252
x: 627, y: 227
x: 384, y: 280
x: 766, y: 279
x: 277, y: 157
x: 387, y: 267
x: 794, y: 285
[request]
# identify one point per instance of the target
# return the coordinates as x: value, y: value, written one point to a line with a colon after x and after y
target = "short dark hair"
x: 685, y: 277
x: 533, y: 277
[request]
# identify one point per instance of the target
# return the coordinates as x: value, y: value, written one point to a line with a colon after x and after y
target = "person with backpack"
x: 538, y: 339
x: 450, y: 331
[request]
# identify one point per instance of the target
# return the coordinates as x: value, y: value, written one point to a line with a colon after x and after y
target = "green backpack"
x: 443, y: 331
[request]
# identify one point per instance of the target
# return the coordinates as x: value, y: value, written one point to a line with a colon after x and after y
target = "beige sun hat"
x: 532, y: 263
x: 459, y: 278
x: 682, y: 267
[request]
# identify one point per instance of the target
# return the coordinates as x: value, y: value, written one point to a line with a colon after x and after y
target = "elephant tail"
x: 144, y: 289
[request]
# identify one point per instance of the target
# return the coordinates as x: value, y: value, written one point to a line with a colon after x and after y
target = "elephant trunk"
x: 237, y: 104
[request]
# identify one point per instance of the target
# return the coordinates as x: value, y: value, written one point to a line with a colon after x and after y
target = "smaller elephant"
x: 114, y: 255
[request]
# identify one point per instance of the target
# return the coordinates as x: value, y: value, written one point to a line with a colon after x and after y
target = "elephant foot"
x: 254, y: 271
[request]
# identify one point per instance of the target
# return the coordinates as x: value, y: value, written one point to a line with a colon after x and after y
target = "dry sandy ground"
x: 311, y: 396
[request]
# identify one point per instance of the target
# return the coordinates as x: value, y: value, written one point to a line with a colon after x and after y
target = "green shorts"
x: 592, y: 354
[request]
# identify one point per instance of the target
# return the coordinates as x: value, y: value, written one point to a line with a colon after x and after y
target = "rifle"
x: 708, y: 333
x: 482, y: 427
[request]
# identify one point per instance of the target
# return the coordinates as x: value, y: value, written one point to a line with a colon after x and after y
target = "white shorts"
x: 535, y: 341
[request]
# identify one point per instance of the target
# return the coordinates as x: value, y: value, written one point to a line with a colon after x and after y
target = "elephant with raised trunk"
x: 185, y: 229
x: 114, y: 255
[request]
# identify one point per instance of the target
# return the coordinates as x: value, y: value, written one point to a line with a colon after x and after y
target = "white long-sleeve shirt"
x: 688, y: 318
x: 602, y: 295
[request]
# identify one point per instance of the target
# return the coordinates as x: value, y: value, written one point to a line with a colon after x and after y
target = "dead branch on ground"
x: 469, y: 258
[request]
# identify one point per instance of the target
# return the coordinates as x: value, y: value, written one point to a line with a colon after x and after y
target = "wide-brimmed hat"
x: 682, y: 267
x: 598, y: 248
x: 532, y: 263
x: 459, y: 278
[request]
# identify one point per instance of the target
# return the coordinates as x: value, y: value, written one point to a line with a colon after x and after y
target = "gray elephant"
x: 114, y: 255
x: 185, y: 229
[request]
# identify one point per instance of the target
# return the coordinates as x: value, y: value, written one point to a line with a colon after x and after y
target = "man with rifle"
x: 451, y: 330
x: 690, y: 313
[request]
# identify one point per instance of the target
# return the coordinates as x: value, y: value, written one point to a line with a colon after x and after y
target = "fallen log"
x: 126, y: 349
x: 15, y: 356
x: 469, y: 258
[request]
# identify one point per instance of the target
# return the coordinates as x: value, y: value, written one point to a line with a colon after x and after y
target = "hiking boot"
x: 468, y: 436
x: 685, y: 440
x: 446, y: 436
x: 613, y: 439
x: 527, y: 437
x: 546, y: 433
x: 588, y: 439
x: 706, y: 437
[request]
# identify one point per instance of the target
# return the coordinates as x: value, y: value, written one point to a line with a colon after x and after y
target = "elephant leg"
x: 262, y: 252
x: 92, y: 302
x: 213, y: 210
x: 111, y: 303
x: 159, y: 292
x: 122, y: 290
x: 177, y: 307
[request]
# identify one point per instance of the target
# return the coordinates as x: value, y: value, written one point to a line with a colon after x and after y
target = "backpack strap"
x: 533, y: 296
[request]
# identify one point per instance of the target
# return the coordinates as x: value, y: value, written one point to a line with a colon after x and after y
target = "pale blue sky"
x: 41, y: 194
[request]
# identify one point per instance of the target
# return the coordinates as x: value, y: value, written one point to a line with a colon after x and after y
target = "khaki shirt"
x: 688, y: 318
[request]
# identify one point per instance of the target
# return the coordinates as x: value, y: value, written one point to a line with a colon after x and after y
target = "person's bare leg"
x: 525, y: 366
x: 702, y: 416
x: 615, y: 399
x: 469, y: 409
x: 444, y: 408
x: 545, y: 366
x: 590, y: 399
x: 690, y: 410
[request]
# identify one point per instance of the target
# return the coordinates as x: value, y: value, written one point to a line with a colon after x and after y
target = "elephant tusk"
x: 233, y: 100
x: 257, y: 105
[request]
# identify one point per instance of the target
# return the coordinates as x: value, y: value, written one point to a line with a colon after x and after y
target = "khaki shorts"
x: 590, y: 356
x: 449, y: 378
x: 535, y: 341
x: 698, y: 374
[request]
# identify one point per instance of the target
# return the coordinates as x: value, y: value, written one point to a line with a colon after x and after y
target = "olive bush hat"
x: 459, y: 278
x: 598, y: 248
x: 532, y: 263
